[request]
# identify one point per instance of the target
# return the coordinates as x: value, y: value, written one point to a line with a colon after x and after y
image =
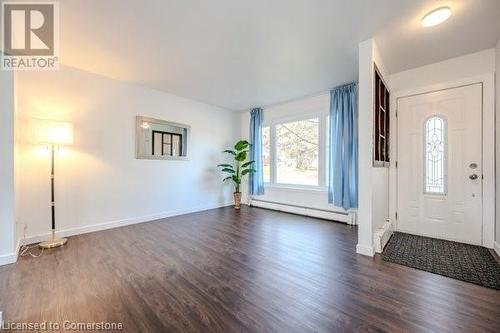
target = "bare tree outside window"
x: 297, y: 150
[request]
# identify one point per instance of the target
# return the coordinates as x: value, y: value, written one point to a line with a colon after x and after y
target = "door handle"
x: 473, y: 176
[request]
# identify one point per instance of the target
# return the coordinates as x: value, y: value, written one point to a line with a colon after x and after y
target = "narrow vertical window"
x: 266, y: 153
x: 435, y: 145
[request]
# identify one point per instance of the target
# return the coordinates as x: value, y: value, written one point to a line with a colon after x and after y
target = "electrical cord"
x: 25, y: 250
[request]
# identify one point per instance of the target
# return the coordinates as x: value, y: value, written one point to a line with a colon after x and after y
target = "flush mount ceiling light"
x: 436, y: 17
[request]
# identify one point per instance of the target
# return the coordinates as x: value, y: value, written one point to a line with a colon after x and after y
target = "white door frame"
x: 488, y: 141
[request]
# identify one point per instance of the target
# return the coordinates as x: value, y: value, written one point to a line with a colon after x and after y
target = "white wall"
x: 497, y: 220
x: 450, y: 70
x: 373, y: 181
x: 316, y: 198
x: 99, y: 183
x: 7, y: 215
x: 467, y: 69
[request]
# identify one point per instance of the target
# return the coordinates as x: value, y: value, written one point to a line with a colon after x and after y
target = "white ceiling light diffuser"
x: 435, y: 17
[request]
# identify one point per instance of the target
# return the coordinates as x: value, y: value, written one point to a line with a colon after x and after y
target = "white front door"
x: 440, y: 164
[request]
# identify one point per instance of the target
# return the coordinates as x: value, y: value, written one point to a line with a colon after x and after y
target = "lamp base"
x: 52, y: 242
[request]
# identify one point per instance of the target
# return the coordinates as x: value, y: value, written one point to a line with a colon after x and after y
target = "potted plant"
x: 240, y: 169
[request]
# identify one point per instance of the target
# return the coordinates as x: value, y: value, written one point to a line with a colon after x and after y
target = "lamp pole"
x: 53, y: 241
x: 52, y: 191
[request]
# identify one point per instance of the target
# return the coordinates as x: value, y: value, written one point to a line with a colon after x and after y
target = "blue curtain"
x: 256, y: 180
x: 343, y: 154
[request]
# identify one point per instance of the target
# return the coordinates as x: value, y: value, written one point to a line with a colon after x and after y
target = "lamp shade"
x: 54, y: 132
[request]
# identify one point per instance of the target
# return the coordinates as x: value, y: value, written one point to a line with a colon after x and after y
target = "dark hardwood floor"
x: 252, y: 270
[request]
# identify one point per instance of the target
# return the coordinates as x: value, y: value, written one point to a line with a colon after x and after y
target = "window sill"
x: 297, y: 188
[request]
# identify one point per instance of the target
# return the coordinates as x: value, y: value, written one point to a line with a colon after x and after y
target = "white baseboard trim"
x: 319, y: 213
x: 118, y: 223
x: 365, y: 250
x: 496, y: 247
x: 382, y: 235
x: 8, y: 258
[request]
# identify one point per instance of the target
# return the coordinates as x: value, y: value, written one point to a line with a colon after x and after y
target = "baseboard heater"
x: 345, y: 217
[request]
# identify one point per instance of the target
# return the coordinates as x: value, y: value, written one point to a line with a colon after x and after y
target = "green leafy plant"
x: 241, y: 168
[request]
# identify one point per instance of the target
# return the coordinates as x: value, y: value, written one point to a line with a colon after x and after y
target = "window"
x: 166, y: 144
x: 266, y: 153
x: 294, y: 151
x: 381, y: 119
x: 435, y: 139
x: 297, y: 152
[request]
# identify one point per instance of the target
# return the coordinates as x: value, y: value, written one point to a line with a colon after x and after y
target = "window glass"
x: 166, y: 144
x: 176, y: 145
x: 266, y: 153
x: 435, y: 155
x: 297, y: 152
x: 157, y: 143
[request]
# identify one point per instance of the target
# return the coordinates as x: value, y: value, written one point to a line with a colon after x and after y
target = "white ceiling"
x: 239, y: 54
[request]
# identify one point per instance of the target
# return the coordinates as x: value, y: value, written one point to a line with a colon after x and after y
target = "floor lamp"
x: 53, y: 134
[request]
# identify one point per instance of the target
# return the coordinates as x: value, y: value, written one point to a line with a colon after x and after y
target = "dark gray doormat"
x: 460, y: 261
